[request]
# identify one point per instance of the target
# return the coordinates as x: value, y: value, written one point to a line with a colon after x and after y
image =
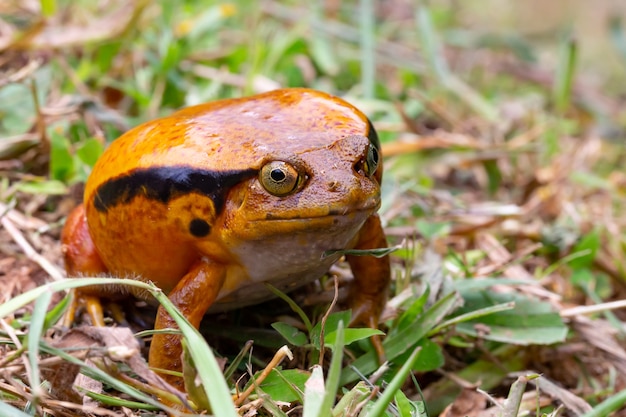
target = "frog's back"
x: 231, y: 135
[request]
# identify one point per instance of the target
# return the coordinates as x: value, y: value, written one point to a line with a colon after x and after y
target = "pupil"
x: 278, y: 175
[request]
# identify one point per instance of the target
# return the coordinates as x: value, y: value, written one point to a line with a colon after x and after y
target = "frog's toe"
x: 84, y: 302
x: 366, y: 310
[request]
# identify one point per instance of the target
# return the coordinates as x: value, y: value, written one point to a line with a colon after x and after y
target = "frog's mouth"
x: 333, y: 212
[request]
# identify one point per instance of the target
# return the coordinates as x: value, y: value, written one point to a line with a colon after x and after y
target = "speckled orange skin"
x: 247, y: 235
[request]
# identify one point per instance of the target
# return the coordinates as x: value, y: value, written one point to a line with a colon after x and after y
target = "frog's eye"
x: 371, y: 161
x: 279, y: 178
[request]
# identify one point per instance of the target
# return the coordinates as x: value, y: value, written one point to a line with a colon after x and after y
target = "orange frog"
x: 217, y: 199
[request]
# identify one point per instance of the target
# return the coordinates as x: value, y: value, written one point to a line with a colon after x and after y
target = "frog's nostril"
x: 333, y: 186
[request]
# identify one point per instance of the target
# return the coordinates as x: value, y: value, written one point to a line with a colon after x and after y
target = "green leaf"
x: 583, y: 278
x: 331, y: 324
x: 171, y: 52
x: 414, y: 310
x: 61, y: 160
x: 90, y: 151
x: 408, y: 408
x: 285, y: 385
x: 291, y: 334
x: 367, y: 43
x: 323, y: 54
x: 350, y: 400
x: 493, y: 175
x: 16, y: 108
x: 430, y: 358
x: 352, y: 335
x: 404, y: 405
x: 587, y: 248
x: 530, y: 322
x: 48, y: 7
x: 208, y: 370
x: 430, y: 230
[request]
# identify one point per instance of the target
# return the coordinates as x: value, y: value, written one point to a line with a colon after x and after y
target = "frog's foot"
x: 366, y: 310
x: 84, y: 302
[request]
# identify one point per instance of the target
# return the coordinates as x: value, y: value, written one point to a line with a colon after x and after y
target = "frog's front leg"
x: 82, y: 259
x: 193, y: 295
x: 372, y: 275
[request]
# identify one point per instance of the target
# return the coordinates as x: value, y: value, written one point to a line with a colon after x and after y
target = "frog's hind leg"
x: 81, y: 259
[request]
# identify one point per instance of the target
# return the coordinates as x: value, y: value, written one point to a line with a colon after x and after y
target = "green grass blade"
x: 118, y: 402
x: 334, y: 371
x: 368, y: 40
x: 294, y: 306
x: 209, y: 371
x: 514, y: 399
x: 234, y: 363
x: 66, y: 284
x: 618, y: 37
x: 56, y: 313
x: 314, y: 393
x: 35, y: 334
x: 396, y: 383
x: 431, y: 47
x: 377, y: 253
x: 473, y: 315
x: 433, y: 52
x: 565, y: 75
x: 606, y: 407
x: 7, y: 410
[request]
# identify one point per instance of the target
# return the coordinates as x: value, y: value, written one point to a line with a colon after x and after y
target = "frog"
x: 217, y: 199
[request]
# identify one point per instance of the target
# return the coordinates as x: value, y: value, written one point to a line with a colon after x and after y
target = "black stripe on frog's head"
x: 162, y: 184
